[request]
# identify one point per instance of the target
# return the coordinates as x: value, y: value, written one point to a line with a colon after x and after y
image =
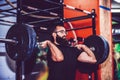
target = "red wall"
x: 84, y: 5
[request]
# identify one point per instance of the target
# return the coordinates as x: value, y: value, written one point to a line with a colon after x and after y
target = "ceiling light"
x: 118, y: 1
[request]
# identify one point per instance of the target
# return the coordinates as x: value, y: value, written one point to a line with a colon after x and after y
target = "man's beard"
x: 62, y: 41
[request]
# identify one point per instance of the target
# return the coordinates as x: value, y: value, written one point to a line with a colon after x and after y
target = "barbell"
x: 21, y: 44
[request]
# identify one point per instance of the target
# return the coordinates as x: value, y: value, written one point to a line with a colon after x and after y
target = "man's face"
x: 60, y: 35
x: 61, y: 32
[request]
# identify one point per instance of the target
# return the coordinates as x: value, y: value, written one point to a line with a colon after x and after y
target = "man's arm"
x: 87, y: 55
x: 55, y: 52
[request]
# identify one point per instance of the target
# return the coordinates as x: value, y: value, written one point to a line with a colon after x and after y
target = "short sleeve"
x: 77, y: 51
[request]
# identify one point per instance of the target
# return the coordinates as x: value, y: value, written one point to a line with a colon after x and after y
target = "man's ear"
x: 53, y: 34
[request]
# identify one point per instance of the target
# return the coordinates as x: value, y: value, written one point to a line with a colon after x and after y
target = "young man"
x: 62, y: 58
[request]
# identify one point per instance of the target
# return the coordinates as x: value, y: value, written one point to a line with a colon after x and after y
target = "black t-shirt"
x: 64, y: 70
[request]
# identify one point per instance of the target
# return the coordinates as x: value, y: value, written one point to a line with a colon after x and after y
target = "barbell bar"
x: 8, y: 41
x: 24, y: 39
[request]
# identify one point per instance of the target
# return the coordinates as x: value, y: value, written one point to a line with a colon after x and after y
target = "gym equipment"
x: 21, y: 42
x: 21, y: 46
x: 99, y: 46
x: 23, y: 38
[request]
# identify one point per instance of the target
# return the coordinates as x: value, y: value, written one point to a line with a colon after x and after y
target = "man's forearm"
x: 87, y: 55
x: 55, y: 52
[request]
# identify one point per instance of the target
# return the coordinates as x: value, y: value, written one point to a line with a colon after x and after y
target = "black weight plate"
x: 101, y: 53
x: 31, y: 61
x: 26, y: 42
x: 101, y: 47
x: 32, y: 41
x: 11, y: 63
x: 106, y: 51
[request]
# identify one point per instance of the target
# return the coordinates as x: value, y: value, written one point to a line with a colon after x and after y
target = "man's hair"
x: 55, y: 26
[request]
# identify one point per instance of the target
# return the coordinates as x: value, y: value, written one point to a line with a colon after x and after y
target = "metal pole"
x: 94, y: 22
x: 20, y: 68
x: 90, y: 76
x: 95, y: 75
x: 94, y: 32
x: 19, y: 8
x: 61, y: 12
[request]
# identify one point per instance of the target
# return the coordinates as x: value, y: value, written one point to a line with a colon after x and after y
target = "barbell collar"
x: 92, y: 48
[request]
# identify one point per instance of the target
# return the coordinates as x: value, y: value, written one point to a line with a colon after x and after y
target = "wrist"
x: 48, y: 42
